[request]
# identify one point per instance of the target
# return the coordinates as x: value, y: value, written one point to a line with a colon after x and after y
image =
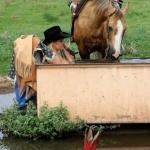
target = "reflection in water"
x: 65, y: 144
x: 107, y: 142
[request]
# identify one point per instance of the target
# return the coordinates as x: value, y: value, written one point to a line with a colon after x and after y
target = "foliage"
x: 52, y: 123
x: 101, y: 128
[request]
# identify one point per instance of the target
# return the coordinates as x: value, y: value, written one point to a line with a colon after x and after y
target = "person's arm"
x: 59, y: 60
x: 38, y: 56
x: 68, y: 56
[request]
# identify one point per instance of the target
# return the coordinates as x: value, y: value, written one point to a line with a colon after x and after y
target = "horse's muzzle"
x: 113, y: 54
x: 111, y: 51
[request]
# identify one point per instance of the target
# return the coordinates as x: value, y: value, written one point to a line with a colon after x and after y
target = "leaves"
x: 52, y: 123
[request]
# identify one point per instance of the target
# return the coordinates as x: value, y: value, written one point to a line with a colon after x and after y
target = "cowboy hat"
x: 53, y: 34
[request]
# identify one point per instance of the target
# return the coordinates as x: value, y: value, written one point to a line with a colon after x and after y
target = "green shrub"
x: 52, y: 123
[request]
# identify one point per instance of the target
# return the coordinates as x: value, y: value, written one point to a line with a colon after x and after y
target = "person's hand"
x: 65, y: 47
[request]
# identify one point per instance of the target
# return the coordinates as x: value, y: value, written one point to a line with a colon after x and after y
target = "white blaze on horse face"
x: 118, y: 39
x: 73, y: 7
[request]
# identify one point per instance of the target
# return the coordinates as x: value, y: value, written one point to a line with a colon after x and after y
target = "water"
x: 107, y: 142
x: 6, y: 100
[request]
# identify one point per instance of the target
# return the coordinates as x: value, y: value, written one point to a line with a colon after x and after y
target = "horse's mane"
x: 103, y: 5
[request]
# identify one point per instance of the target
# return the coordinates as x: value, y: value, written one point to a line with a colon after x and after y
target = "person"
x: 53, y: 49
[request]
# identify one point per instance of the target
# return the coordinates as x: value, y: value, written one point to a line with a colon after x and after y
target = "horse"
x: 100, y: 26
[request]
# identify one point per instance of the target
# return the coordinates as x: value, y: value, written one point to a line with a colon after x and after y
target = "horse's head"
x: 100, y: 26
x: 116, y: 26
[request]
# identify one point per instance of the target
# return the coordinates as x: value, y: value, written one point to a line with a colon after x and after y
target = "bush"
x: 51, y: 123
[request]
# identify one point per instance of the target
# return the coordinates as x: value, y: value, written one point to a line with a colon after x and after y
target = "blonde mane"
x: 103, y: 6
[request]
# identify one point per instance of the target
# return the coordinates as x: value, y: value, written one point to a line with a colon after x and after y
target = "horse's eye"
x: 110, y: 29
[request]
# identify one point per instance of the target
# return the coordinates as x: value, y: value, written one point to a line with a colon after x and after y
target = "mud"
x: 6, y: 86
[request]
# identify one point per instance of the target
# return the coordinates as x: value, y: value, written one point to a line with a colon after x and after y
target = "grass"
x: 28, y: 17
x: 138, y: 30
x: 34, y: 16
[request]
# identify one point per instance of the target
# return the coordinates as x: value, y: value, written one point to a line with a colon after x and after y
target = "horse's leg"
x: 103, y: 54
x: 84, y: 56
x: 84, y: 53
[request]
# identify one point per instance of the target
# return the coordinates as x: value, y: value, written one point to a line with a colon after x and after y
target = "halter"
x: 108, y: 46
x: 80, y: 6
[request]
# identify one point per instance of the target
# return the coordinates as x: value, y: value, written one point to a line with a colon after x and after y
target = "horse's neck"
x: 94, y: 24
x: 90, y: 13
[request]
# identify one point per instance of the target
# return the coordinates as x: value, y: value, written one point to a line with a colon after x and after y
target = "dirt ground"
x: 6, y: 86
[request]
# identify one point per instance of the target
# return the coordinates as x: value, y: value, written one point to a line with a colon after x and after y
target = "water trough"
x: 98, y: 92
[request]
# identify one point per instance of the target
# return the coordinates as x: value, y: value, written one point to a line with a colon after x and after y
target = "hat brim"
x: 62, y: 35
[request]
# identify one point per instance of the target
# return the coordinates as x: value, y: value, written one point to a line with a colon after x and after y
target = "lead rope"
x: 107, y: 48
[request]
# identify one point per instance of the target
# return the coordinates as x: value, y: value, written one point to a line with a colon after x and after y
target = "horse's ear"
x: 125, y: 9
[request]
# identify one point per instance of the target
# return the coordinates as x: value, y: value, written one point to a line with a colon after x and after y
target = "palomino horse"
x: 100, y: 27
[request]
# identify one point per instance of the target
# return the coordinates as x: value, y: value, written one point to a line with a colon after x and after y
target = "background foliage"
x: 34, y: 16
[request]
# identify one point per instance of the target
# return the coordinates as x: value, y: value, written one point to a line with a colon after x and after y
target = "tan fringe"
x: 22, y: 69
x: 23, y: 56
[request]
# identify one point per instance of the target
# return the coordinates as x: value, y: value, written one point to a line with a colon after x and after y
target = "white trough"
x: 97, y: 93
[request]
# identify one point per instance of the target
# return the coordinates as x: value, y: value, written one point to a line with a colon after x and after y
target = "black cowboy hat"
x: 53, y: 34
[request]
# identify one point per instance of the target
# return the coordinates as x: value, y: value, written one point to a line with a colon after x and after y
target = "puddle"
x: 1, y: 135
x: 6, y: 100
